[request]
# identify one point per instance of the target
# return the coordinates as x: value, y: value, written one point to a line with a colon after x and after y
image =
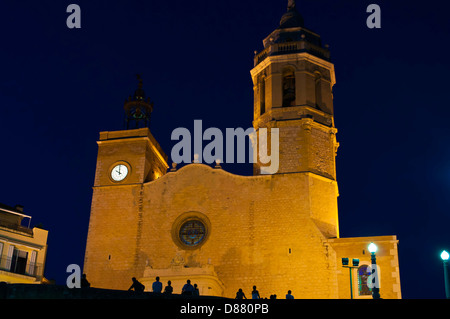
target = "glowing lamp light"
x: 373, y: 248
x: 444, y: 255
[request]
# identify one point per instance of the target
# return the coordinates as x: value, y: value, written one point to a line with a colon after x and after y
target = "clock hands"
x: 120, y: 172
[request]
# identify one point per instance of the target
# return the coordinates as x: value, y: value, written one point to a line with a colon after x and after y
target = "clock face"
x: 119, y: 172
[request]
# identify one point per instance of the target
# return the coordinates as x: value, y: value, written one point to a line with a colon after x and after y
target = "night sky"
x: 60, y: 87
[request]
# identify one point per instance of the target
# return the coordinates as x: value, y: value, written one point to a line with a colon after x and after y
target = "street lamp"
x: 375, y: 290
x: 373, y: 248
x: 345, y: 264
x: 444, y: 257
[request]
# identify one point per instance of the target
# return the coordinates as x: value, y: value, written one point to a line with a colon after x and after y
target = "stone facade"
x: 277, y: 232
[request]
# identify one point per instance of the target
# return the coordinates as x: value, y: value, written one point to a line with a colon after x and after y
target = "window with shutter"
x: 32, y: 265
x: 9, y: 257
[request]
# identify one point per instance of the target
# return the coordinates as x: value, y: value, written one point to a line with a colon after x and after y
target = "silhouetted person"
x: 240, y: 294
x: 289, y: 295
x: 273, y: 296
x: 84, y: 282
x: 255, y: 293
x: 157, y: 286
x: 188, y: 289
x: 196, y: 292
x: 3, y: 290
x: 137, y: 286
x: 168, y: 289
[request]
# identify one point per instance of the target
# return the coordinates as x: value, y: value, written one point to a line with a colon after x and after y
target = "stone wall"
x: 260, y: 230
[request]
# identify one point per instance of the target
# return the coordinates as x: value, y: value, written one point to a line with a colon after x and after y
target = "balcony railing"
x: 21, y: 267
x: 16, y: 227
x: 291, y: 47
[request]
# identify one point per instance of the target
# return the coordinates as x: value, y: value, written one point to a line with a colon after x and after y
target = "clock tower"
x: 126, y: 160
x: 133, y: 155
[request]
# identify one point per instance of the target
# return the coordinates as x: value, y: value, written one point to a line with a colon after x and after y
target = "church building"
x: 226, y: 232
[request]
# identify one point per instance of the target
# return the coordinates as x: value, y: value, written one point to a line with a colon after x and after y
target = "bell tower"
x: 137, y: 108
x: 127, y: 160
x: 132, y: 155
x: 292, y: 82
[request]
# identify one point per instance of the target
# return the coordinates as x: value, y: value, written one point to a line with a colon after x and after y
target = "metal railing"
x: 16, y: 227
x: 295, y: 46
x: 21, y: 266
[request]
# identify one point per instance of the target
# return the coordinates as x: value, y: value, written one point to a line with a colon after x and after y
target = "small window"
x: 288, y: 88
x: 318, y: 89
x: 262, y: 96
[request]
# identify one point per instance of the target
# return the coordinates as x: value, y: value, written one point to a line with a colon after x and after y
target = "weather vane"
x: 291, y: 4
x: 138, y: 76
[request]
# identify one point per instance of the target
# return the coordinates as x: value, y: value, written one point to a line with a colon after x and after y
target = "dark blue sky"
x: 60, y: 87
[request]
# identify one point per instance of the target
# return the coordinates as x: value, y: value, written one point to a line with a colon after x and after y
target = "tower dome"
x: 292, y: 37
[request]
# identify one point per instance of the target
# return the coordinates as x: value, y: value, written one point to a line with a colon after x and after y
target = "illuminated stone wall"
x: 268, y: 231
x: 260, y: 230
